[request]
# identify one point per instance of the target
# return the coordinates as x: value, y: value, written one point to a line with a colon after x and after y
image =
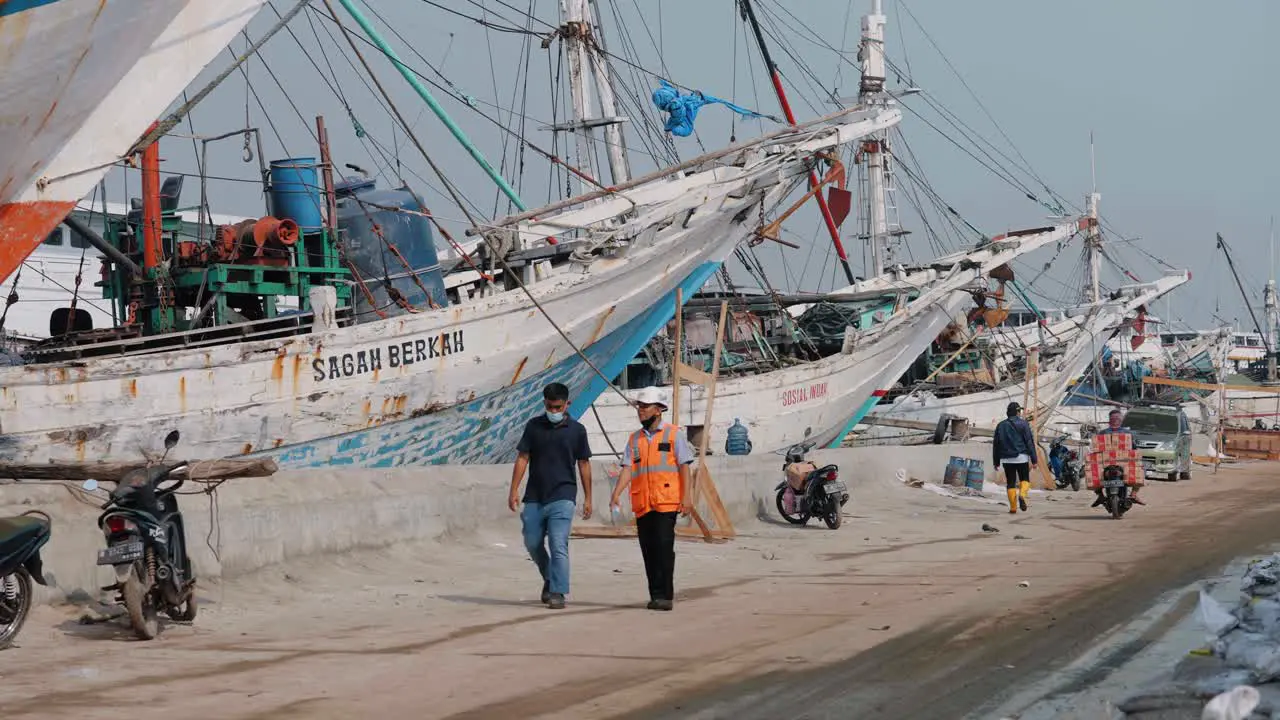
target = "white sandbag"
x: 1213, y: 617
x: 1235, y: 704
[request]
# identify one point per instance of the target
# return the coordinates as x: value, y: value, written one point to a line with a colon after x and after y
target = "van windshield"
x: 1152, y: 423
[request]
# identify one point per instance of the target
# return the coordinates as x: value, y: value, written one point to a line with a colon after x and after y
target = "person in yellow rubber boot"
x: 1015, y: 449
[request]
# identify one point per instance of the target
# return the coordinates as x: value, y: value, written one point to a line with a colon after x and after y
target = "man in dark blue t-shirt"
x: 552, y: 444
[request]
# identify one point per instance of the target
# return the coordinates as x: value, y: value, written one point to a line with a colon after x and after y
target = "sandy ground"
x: 909, y: 610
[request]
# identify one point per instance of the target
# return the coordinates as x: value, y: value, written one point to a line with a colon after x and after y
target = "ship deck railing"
x: 110, y: 342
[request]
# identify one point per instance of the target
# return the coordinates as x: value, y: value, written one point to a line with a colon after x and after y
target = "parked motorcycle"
x: 21, y: 538
x: 1116, y: 496
x: 146, y: 544
x: 1065, y: 464
x: 807, y: 491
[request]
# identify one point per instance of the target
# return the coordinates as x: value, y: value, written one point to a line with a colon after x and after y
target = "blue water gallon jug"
x: 738, y: 442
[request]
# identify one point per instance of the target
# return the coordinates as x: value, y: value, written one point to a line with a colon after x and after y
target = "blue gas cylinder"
x: 738, y: 443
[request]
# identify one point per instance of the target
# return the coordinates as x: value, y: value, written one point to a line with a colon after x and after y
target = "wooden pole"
x: 710, y: 401
x: 676, y: 359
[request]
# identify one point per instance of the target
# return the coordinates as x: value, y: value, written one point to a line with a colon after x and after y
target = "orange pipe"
x: 151, y: 204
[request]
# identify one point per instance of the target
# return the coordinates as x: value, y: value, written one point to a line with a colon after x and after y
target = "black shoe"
x: 653, y: 605
x: 1098, y: 502
x: 664, y: 604
x: 1022, y: 503
x: 556, y: 602
x: 546, y: 593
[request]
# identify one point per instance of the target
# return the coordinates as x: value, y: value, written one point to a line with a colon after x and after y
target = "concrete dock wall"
x: 262, y: 522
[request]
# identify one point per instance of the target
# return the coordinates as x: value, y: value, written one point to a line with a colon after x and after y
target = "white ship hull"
x: 823, y: 400
x: 82, y: 81
x: 448, y: 385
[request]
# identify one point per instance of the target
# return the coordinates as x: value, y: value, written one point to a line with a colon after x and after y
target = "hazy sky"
x: 1179, y: 96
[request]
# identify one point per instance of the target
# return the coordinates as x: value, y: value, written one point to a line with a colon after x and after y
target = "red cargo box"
x: 1114, y: 441
x: 1133, y: 473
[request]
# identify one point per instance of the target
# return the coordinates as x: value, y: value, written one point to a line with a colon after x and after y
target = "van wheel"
x: 1173, y: 477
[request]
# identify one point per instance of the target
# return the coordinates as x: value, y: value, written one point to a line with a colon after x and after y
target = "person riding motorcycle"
x: 1114, y: 426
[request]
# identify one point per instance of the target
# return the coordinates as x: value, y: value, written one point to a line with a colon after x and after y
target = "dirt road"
x: 909, y: 610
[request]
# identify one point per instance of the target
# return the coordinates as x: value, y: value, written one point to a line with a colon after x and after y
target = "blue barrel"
x: 738, y: 442
x: 976, y: 474
x: 295, y: 192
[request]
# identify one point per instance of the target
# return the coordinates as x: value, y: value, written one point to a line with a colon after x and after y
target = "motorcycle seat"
x: 18, y: 535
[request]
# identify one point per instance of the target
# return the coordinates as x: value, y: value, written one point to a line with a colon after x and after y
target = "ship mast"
x: 749, y: 13
x: 1093, y: 237
x: 583, y: 45
x: 1273, y: 312
x: 871, y: 92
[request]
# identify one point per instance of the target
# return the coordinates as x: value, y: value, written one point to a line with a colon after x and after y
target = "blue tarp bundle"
x: 683, y: 109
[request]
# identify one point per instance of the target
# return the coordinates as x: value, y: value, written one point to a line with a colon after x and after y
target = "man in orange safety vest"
x: 656, y: 466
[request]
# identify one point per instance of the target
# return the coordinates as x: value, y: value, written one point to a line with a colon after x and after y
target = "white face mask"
x: 555, y: 417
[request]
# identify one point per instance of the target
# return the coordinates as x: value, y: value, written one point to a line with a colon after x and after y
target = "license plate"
x: 1113, y: 482
x: 122, y: 553
x: 834, y: 487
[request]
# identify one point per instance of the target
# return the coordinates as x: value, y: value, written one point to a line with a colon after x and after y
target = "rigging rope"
x: 509, y: 273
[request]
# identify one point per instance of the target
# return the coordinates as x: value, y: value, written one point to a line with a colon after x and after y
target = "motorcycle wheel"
x: 141, y: 604
x: 13, y: 615
x: 832, y: 518
x: 1113, y: 505
x: 794, y: 519
x: 189, y: 608
x: 1075, y: 483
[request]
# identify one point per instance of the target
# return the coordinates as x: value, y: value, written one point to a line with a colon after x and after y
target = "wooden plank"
x: 723, y: 522
x: 224, y: 469
x: 1189, y: 385
x: 874, y: 419
x: 701, y: 473
x: 693, y: 375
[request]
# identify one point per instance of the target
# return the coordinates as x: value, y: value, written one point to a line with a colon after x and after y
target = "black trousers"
x: 1016, y: 473
x: 657, y: 531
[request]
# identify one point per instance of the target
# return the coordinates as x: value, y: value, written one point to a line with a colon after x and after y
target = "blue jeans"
x: 550, y: 521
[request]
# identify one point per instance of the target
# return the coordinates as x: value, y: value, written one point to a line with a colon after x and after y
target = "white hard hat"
x: 651, y: 396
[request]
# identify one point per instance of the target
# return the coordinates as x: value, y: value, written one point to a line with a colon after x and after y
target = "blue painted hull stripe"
x: 13, y: 7
x: 485, y: 430
x: 665, y: 310
x: 856, y: 418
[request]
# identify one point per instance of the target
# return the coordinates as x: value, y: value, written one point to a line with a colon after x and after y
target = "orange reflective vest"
x: 655, y: 473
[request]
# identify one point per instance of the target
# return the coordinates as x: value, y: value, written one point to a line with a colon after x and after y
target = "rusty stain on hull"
x: 133, y: 387
x: 297, y: 373
x: 182, y: 393
x: 595, y: 334
x: 277, y: 368
x: 519, y: 369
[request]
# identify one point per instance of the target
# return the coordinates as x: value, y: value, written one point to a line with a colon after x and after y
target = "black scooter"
x: 21, y: 538
x: 146, y: 544
x: 1114, y: 493
x: 822, y: 496
x: 1065, y: 463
